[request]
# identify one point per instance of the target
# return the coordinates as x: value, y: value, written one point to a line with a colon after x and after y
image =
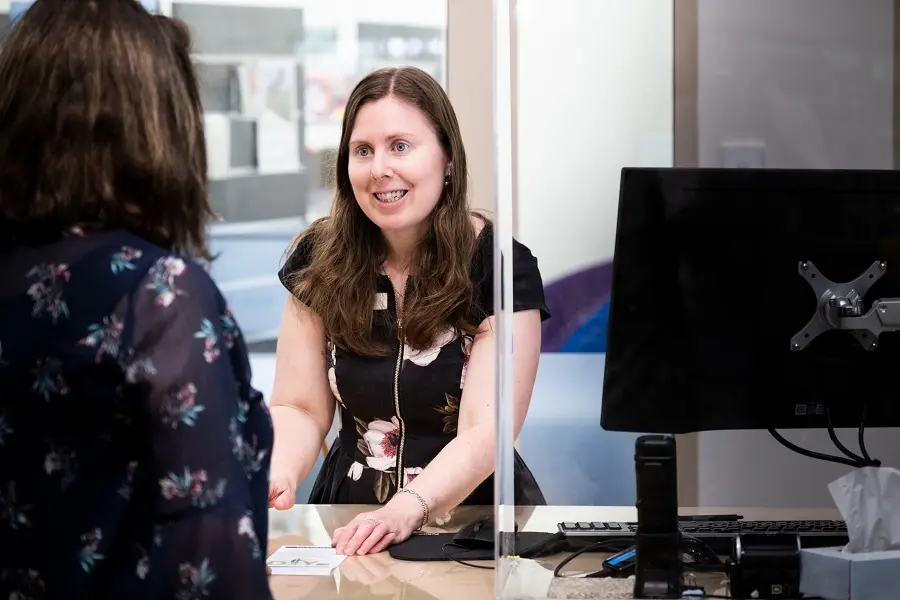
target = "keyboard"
x: 718, y: 534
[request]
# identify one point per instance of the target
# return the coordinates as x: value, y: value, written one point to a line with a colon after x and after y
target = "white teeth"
x: 390, y: 197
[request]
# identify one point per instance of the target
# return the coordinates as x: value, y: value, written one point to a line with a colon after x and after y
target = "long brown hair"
x: 101, y: 122
x: 347, y: 248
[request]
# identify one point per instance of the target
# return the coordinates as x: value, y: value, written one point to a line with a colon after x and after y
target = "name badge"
x: 381, y: 301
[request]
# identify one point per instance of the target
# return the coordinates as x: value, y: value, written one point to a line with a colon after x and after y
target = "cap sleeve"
x: 528, y: 286
x: 298, y: 258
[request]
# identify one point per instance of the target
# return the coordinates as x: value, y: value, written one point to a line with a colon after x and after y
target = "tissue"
x: 869, y: 501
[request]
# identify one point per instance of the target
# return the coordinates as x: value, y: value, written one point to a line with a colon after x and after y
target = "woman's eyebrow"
x: 387, y: 138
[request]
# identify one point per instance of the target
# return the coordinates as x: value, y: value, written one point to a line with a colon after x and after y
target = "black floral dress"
x: 399, y: 411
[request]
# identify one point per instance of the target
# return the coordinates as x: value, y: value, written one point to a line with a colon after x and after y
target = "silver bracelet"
x: 425, y: 516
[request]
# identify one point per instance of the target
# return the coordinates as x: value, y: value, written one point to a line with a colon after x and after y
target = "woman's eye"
x: 401, y: 146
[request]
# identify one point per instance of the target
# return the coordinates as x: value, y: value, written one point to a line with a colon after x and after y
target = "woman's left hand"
x: 373, y: 532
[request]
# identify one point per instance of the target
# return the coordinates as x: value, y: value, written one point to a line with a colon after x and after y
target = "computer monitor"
x: 716, y: 287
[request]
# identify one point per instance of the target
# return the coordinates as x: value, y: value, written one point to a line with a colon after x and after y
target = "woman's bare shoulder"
x: 478, y: 222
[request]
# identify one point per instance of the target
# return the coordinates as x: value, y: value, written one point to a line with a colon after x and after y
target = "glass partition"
x: 275, y: 76
x: 720, y: 84
x: 505, y: 480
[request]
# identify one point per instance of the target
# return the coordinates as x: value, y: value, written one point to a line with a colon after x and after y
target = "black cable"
x: 852, y: 460
x: 700, y: 549
x: 862, y: 439
x: 462, y: 562
x: 837, y: 442
x: 715, y: 565
x: 602, y: 573
x: 812, y: 453
x: 591, y: 547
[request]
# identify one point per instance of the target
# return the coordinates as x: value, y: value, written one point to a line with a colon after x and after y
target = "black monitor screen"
x: 709, y: 292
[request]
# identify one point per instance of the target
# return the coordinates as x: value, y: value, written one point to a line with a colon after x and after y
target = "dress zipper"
x: 402, y: 444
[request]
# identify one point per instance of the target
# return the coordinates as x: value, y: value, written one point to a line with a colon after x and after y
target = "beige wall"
x: 470, y: 82
x: 470, y: 79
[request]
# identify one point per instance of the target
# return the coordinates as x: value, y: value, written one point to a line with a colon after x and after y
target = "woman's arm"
x: 302, y: 404
x: 468, y: 459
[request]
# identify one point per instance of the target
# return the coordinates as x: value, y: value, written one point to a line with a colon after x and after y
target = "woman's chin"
x: 399, y: 221
x: 403, y: 228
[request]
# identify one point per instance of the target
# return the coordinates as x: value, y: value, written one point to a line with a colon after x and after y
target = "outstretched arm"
x: 302, y: 403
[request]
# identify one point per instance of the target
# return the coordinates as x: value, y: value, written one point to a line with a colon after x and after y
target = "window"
x: 275, y: 76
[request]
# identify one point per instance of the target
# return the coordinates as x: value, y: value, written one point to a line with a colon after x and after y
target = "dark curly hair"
x: 101, y: 122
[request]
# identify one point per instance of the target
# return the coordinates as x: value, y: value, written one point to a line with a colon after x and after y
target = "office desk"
x: 381, y: 577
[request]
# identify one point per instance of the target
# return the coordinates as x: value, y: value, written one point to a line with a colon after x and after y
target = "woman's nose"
x: 381, y: 167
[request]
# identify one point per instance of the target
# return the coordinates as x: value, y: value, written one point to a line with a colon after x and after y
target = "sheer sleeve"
x: 528, y: 286
x: 207, y: 438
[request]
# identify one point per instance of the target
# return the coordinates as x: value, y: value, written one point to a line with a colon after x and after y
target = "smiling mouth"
x: 390, y: 197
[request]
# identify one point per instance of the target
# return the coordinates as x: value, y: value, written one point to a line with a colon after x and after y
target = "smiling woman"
x: 399, y: 134
x: 391, y: 318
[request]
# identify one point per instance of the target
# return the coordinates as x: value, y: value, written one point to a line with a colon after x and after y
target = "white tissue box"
x: 835, y: 575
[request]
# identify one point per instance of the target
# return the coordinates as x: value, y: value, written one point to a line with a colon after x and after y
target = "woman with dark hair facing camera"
x: 133, y: 450
x: 391, y: 318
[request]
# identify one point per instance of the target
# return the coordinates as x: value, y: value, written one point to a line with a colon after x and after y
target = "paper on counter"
x: 304, y: 560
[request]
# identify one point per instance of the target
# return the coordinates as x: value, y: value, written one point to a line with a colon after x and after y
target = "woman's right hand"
x: 282, y: 493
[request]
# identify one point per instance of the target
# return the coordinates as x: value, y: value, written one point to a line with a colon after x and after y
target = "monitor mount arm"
x: 840, y: 306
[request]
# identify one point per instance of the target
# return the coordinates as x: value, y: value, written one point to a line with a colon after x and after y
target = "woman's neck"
x: 401, y: 249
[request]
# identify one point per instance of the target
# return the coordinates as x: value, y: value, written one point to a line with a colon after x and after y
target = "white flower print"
x: 443, y: 520
x: 409, y: 474
x: 382, y: 439
x: 246, y: 529
x: 332, y: 378
x: 356, y: 470
x: 143, y: 567
x: 163, y: 275
x: 136, y: 370
x: 423, y: 358
x: 467, y: 351
x: 245, y: 526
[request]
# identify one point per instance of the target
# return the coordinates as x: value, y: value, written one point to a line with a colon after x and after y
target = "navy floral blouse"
x: 134, y: 454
